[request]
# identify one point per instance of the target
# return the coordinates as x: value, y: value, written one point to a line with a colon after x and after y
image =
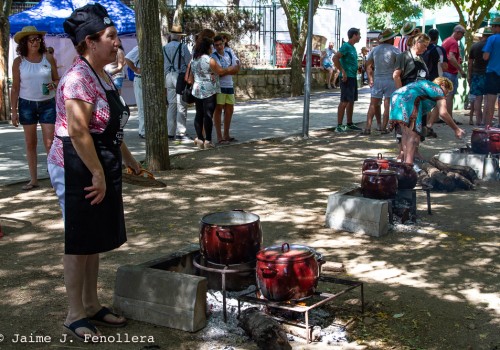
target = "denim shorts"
x: 118, y: 82
x: 383, y: 87
x: 34, y: 112
x: 454, y: 80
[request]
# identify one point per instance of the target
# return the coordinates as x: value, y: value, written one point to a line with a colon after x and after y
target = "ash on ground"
x: 230, y: 334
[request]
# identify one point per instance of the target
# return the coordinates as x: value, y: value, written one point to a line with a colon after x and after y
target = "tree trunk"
x: 5, y: 7
x: 298, y: 39
x: 154, y: 93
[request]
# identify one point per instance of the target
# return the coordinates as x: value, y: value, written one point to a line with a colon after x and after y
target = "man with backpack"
x: 435, y: 56
x: 176, y: 57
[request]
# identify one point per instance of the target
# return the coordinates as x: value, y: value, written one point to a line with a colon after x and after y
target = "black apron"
x: 91, y: 229
x: 420, y: 72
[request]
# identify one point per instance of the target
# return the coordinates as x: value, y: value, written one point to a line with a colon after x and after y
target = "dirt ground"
x: 433, y: 285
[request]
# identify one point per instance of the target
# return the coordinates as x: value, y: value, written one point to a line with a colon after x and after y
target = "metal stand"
x: 301, y: 306
x: 222, y: 270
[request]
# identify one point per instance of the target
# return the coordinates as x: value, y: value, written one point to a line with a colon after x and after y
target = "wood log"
x: 438, y: 179
x: 264, y: 330
x: 465, y: 171
x: 461, y: 181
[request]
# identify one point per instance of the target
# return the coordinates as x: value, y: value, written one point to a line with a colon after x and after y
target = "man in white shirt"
x: 132, y: 60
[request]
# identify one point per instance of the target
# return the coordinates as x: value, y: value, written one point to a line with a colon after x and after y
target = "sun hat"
x: 484, y: 31
x: 27, y: 31
x: 176, y: 29
x: 459, y: 28
x: 225, y: 35
x: 87, y: 20
x: 495, y: 21
x: 408, y: 27
x: 387, y: 34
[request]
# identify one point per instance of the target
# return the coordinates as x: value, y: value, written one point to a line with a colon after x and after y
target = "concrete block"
x: 348, y: 210
x: 474, y: 160
x: 161, y: 297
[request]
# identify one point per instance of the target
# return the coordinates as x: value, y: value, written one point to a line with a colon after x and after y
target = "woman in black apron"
x: 410, y: 67
x: 89, y: 184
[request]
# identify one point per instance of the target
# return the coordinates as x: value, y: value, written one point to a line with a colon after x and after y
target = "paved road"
x: 253, y: 120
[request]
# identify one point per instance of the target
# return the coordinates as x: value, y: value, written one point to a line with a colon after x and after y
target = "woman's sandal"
x: 99, y: 318
x: 365, y: 132
x: 81, y: 323
x: 29, y: 187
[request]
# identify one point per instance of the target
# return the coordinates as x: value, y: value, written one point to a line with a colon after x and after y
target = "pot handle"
x: 224, y: 235
x: 379, y: 156
x: 268, y: 272
x: 320, y: 259
x: 283, y: 247
x: 239, y: 210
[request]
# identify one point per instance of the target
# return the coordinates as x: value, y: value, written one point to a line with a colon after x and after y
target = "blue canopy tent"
x: 49, y: 16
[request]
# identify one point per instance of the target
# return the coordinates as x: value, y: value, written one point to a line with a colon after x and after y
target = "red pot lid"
x: 285, y: 253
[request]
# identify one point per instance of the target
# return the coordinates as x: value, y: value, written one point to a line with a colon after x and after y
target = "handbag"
x: 181, y: 83
x: 187, y: 95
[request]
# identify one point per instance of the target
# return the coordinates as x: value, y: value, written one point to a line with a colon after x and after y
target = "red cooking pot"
x: 231, y: 237
x: 485, y: 140
x: 379, y: 184
x: 288, y: 272
x: 375, y: 163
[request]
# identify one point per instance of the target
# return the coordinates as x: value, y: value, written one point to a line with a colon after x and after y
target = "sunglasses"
x: 33, y: 40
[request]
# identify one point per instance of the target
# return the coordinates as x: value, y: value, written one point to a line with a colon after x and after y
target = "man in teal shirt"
x: 346, y: 61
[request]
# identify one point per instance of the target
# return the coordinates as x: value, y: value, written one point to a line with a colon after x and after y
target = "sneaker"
x: 142, y: 136
x: 352, y: 127
x: 341, y: 128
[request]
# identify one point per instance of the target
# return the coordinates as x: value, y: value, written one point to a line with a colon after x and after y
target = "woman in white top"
x: 205, y: 74
x: 115, y: 69
x: 34, y: 83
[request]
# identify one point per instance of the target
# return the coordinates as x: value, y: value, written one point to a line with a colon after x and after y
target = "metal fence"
x: 257, y: 49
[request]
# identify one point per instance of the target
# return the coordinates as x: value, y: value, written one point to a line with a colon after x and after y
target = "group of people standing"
x: 209, y: 71
x: 416, y: 82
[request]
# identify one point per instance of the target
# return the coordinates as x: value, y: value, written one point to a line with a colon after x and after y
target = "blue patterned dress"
x: 411, y: 102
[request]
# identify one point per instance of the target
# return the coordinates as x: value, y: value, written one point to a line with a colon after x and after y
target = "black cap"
x: 86, y: 20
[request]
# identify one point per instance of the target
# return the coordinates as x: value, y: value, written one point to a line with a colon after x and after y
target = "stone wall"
x: 269, y: 83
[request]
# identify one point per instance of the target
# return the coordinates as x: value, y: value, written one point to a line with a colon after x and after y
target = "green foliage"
x: 383, y: 13
x: 237, y: 22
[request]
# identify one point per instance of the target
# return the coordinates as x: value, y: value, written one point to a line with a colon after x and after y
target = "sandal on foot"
x: 365, y: 132
x: 29, y: 187
x: 231, y: 139
x: 82, y: 323
x: 223, y: 142
x: 386, y: 131
x: 99, y: 318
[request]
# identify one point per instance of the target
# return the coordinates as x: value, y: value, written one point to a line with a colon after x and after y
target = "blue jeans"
x: 32, y: 112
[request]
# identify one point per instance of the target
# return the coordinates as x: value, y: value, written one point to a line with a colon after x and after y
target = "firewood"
x: 438, y: 178
x: 461, y: 181
x: 465, y: 171
x: 264, y: 330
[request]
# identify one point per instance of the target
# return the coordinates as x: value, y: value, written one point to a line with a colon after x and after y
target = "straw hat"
x: 387, y: 34
x: 408, y: 27
x: 226, y: 35
x: 176, y: 25
x: 27, y: 31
